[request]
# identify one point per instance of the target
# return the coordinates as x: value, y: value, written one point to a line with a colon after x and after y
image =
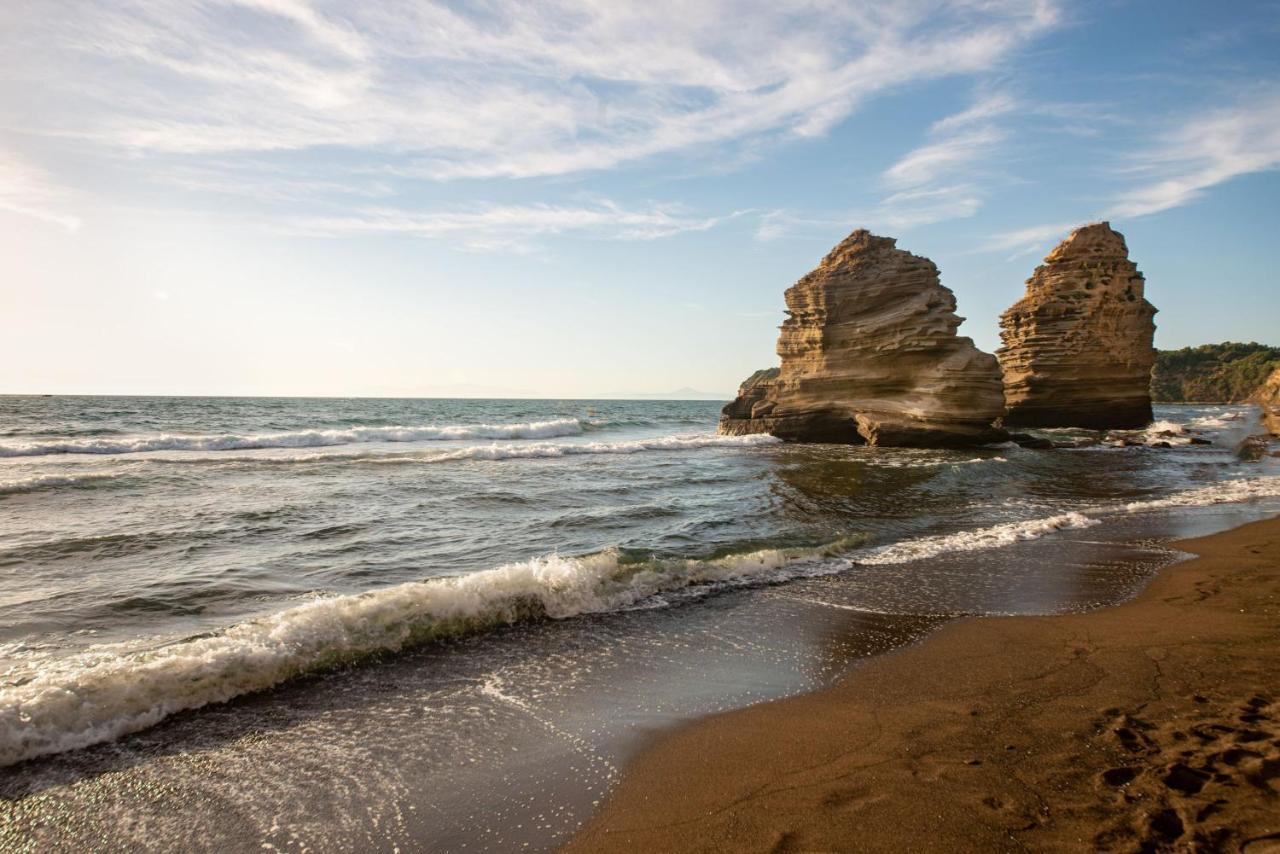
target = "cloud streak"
x: 500, y: 90
x: 1206, y: 150
x: 28, y: 191
x: 509, y: 227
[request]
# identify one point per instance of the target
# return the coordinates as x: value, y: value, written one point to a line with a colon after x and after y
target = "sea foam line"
x: 295, y: 439
x: 90, y: 698
x: 1224, y: 492
x: 14, y: 486
x: 994, y: 537
x: 495, y: 451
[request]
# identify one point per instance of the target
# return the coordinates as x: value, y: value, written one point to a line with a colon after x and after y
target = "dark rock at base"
x: 1254, y: 448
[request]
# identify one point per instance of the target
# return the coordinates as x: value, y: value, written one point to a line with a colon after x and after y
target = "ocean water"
x: 444, y: 624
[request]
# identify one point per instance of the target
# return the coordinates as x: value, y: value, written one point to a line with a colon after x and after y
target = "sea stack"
x: 870, y: 355
x: 1078, y: 347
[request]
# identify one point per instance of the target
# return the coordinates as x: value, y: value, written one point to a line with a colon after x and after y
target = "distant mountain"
x: 1212, y: 373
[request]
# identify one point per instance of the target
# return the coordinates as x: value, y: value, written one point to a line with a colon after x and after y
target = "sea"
x: 446, y: 625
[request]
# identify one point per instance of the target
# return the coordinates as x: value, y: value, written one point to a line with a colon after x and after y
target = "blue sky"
x: 564, y: 199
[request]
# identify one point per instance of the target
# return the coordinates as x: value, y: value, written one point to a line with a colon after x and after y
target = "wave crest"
x: 88, y: 700
x: 295, y: 439
x: 19, y: 485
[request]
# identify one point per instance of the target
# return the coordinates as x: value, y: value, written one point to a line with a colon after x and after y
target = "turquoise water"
x: 161, y: 556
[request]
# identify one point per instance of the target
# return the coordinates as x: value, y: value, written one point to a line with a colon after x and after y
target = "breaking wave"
x: 94, y: 698
x: 19, y: 485
x: 1226, y: 492
x: 680, y: 442
x: 993, y: 537
x: 88, y: 700
x: 495, y: 451
x: 296, y: 439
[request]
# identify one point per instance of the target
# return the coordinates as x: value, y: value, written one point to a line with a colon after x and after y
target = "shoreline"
x: 1151, y: 723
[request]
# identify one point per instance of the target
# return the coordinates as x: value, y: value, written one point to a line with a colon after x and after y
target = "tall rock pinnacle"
x: 1078, y: 347
x: 870, y: 355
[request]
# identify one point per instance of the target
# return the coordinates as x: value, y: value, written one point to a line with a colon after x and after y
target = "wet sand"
x: 1153, y: 725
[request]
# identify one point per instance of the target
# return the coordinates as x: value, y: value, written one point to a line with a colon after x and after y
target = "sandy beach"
x: 1152, y: 725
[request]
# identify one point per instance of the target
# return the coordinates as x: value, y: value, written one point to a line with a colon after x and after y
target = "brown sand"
x: 1154, y: 725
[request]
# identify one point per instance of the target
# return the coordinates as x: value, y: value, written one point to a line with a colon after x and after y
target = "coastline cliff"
x: 1268, y: 398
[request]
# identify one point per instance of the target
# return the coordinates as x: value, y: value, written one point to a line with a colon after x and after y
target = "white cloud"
x: 1024, y: 241
x: 953, y: 153
x: 938, y: 181
x: 27, y: 190
x: 1206, y: 151
x: 506, y: 89
x: 509, y: 227
x: 983, y: 110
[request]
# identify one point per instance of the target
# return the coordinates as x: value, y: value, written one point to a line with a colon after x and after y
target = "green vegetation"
x: 1212, y: 373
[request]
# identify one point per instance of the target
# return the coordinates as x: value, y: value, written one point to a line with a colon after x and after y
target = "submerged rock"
x: 1026, y: 440
x: 1078, y: 347
x: 870, y: 355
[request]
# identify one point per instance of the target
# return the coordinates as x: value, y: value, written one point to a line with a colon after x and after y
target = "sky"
x: 311, y: 197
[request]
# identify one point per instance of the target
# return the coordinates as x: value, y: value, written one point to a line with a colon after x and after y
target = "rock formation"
x: 1268, y: 398
x: 1078, y: 347
x: 870, y: 355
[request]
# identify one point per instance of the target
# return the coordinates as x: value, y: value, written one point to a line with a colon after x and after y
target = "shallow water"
x: 557, y: 578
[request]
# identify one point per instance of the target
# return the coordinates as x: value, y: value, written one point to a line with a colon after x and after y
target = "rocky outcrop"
x: 870, y: 355
x: 755, y: 389
x: 1268, y: 398
x: 1078, y: 347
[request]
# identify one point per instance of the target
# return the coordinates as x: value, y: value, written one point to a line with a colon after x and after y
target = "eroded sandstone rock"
x: 1078, y: 347
x: 870, y: 355
x: 1269, y: 399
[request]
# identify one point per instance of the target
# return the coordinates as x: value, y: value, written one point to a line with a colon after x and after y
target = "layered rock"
x: 1078, y: 347
x: 1268, y: 398
x: 870, y: 355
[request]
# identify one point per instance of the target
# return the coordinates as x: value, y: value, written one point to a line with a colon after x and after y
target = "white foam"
x: 1232, y: 417
x: 34, y: 482
x: 494, y: 451
x: 678, y: 442
x: 1226, y: 492
x: 93, y: 698
x: 1166, y: 431
x: 97, y: 695
x: 907, y: 463
x: 993, y: 537
x: 295, y: 439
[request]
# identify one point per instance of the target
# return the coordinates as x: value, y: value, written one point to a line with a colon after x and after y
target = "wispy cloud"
x: 940, y: 180
x: 1192, y: 157
x: 1024, y: 241
x: 931, y: 183
x: 1207, y: 150
x: 27, y: 190
x: 509, y: 227
x: 508, y: 89
x: 943, y: 157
